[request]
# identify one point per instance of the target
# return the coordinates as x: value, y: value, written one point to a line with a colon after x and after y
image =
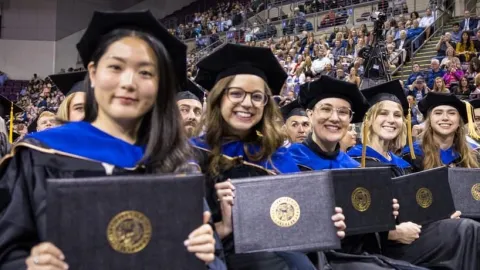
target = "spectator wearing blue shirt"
x: 434, y: 73
x: 414, y: 32
x: 414, y: 110
x: 415, y: 73
x: 300, y: 19
x: 338, y: 50
x: 456, y: 33
x: 401, y: 26
x: 418, y: 89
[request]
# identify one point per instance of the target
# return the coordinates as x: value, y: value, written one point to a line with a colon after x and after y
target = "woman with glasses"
x: 243, y: 138
x: 332, y: 106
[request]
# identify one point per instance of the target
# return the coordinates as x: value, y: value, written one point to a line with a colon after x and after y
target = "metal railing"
x: 315, y: 17
x: 317, y: 23
x: 207, y: 50
x: 438, y: 25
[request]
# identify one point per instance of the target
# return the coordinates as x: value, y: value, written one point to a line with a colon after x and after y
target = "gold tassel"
x: 10, y: 137
x: 471, y: 121
x: 364, y: 141
x: 204, y: 109
x: 409, y: 133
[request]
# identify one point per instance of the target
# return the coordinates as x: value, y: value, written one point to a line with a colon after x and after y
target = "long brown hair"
x: 431, y: 150
x: 270, y: 138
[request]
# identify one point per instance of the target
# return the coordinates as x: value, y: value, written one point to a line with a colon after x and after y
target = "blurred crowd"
x: 305, y: 56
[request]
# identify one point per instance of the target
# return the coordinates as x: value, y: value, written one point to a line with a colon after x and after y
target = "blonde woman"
x: 360, y: 45
x: 73, y: 86
x: 353, y: 77
x: 439, y: 86
x: 384, y: 131
x: 349, y: 140
x: 322, y: 41
x: 450, y: 57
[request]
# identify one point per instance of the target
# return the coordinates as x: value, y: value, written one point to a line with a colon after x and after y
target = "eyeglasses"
x: 237, y: 95
x: 325, y: 111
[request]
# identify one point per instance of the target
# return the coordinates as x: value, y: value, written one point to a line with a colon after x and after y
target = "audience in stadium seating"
x: 306, y: 56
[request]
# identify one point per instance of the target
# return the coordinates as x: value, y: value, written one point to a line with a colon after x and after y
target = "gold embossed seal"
x: 476, y: 192
x: 361, y: 199
x: 424, y: 197
x: 129, y: 232
x: 285, y: 212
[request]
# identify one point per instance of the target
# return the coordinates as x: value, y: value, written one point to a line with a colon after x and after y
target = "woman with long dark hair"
x: 465, y: 48
x: 464, y: 88
x: 243, y: 138
x: 130, y: 114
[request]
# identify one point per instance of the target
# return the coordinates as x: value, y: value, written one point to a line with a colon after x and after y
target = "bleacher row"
x: 12, y: 88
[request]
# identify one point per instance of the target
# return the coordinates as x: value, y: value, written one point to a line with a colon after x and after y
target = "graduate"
x: 475, y: 143
x: 73, y: 86
x: 191, y: 108
x: 130, y: 114
x: 384, y: 131
x: 350, y: 139
x: 296, y: 123
x: 443, y: 140
x: 45, y: 120
x: 331, y: 106
x: 242, y: 139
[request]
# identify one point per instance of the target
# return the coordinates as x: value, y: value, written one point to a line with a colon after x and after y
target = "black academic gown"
x: 445, y: 244
x: 449, y: 157
x: 358, y: 251
x: 23, y: 178
x: 240, y: 168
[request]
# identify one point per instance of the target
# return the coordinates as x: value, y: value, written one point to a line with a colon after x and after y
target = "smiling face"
x: 125, y: 80
x: 330, y: 120
x: 388, y: 122
x: 350, y: 138
x: 243, y: 115
x: 444, y: 120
